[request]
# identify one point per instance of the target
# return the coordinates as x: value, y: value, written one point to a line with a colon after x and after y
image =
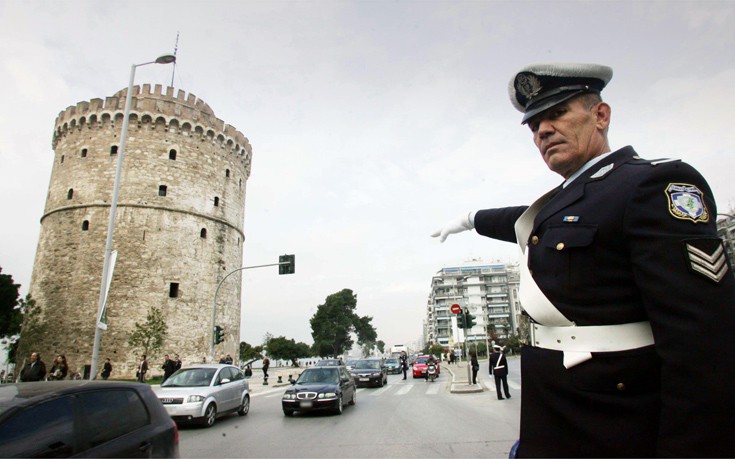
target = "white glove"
x: 464, y: 222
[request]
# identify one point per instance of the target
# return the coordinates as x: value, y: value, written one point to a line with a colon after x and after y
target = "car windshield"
x: 391, y: 361
x: 369, y: 364
x: 318, y: 376
x: 327, y: 362
x: 422, y: 359
x: 191, y: 377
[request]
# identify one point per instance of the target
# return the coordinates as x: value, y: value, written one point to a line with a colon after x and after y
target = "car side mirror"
x: 224, y: 381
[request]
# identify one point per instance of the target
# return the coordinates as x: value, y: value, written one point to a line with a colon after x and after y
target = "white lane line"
x: 381, y: 391
x: 433, y: 389
x: 404, y: 390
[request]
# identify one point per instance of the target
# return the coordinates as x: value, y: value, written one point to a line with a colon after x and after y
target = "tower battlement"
x: 183, y: 113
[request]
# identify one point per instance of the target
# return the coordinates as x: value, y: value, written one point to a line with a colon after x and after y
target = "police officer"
x: 629, y: 289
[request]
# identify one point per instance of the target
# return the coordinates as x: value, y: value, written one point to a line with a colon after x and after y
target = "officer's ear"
x: 602, y: 112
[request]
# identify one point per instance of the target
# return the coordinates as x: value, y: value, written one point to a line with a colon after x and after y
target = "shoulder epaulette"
x: 653, y: 162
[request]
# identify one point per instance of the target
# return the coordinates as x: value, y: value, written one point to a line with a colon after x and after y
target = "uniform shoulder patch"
x: 686, y: 202
x: 707, y: 258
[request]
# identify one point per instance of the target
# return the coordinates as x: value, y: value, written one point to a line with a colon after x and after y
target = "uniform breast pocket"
x: 631, y: 372
x: 570, y: 251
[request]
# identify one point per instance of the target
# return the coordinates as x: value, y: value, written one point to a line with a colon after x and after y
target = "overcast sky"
x: 372, y: 122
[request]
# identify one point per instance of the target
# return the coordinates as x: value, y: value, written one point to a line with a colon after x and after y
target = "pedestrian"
x: 228, y: 359
x: 626, y: 282
x: 499, y: 369
x: 106, y: 369
x: 142, y: 369
x: 222, y: 360
x: 404, y: 363
x: 452, y: 357
x: 168, y: 367
x: 177, y: 362
x: 59, y: 369
x: 266, y: 364
x: 475, y: 366
x: 248, y: 371
x: 35, y: 370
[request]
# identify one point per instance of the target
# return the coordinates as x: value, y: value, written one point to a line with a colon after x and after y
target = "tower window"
x: 203, y: 233
x: 85, y: 225
x: 162, y: 190
x: 172, y: 154
x: 70, y: 193
x: 173, y: 290
x: 113, y: 150
x: 216, y: 201
x: 84, y: 152
x: 227, y: 172
x: 62, y: 159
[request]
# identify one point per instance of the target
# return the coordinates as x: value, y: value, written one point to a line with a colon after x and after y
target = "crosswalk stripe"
x: 405, y: 389
x: 433, y: 389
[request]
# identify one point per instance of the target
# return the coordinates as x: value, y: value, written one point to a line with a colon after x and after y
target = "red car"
x: 419, y: 366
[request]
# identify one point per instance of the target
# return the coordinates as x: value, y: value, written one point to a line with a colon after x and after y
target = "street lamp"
x: 165, y: 59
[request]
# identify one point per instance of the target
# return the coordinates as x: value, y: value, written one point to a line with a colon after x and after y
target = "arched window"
x: 172, y: 154
x: 162, y: 190
x: 85, y: 225
x: 203, y: 233
x: 70, y: 193
x: 84, y: 152
x: 113, y: 150
x: 227, y: 172
x: 62, y: 159
x: 216, y: 201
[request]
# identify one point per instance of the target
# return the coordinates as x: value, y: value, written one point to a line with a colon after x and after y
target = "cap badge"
x: 528, y: 85
x: 686, y: 202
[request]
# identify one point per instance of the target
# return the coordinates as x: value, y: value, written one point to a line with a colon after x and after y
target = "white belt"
x: 593, y: 338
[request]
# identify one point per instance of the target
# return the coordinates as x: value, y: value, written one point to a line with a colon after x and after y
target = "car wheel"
x: 340, y: 407
x: 288, y: 412
x: 245, y: 407
x: 354, y: 397
x: 210, y: 414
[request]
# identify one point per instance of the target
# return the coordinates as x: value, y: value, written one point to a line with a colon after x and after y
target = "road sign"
x: 456, y: 309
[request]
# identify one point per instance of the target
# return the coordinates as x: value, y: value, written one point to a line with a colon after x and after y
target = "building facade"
x: 178, y: 231
x: 488, y: 291
x: 726, y: 231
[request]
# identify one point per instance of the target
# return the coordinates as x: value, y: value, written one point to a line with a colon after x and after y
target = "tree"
x: 10, y: 316
x: 287, y: 349
x: 149, y: 336
x: 249, y: 353
x: 381, y: 346
x: 333, y: 322
x: 31, y: 329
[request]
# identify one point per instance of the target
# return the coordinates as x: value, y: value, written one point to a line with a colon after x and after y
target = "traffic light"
x: 219, y: 334
x: 471, y: 320
x: 289, y: 264
x: 460, y: 320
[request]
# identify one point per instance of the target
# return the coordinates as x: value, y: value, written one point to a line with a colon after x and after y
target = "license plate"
x: 306, y: 404
x: 364, y: 379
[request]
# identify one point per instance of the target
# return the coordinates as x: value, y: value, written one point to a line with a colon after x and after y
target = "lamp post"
x: 165, y: 59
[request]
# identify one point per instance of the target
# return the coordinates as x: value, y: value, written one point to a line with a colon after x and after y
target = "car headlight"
x: 288, y: 396
x: 194, y: 399
x: 329, y: 394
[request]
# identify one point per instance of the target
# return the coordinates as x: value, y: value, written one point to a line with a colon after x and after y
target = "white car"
x: 201, y: 393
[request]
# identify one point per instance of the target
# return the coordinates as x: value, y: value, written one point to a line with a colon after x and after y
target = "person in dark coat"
x: 626, y: 282
x: 142, y: 369
x: 35, y: 370
x: 404, y: 363
x: 59, y: 369
x: 177, y: 362
x: 499, y: 369
x: 168, y: 367
x: 475, y: 366
x: 106, y: 369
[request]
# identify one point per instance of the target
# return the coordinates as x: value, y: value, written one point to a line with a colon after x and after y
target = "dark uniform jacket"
x: 33, y: 371
x: 631, y: 240
x: 498, y: 359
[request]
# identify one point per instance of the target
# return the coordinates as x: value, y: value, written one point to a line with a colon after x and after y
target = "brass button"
x: 560, y: 246
x: 620, y: 386
x: 534, y: 240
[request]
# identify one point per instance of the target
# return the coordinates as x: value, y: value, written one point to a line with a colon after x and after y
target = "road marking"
x: 279, y: 390
x: 433, y: 389
x: 404, y: 390
x: 380, y: 391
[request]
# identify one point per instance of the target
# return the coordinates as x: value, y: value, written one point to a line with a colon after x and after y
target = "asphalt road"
x: 411, y: 418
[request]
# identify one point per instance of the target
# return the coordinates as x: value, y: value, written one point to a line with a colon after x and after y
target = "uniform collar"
x: 586, y: 166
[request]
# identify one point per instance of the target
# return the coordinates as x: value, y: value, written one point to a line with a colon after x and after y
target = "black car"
x: 329, y: 363
x: 85, y: 419
x: 320, y: 388
x: 370, y: 372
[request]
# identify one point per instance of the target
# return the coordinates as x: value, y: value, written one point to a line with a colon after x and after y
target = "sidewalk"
x: 460, y: 379
x: 256, y: 381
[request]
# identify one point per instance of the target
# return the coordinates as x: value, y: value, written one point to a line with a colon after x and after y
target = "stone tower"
x: 178, y: 230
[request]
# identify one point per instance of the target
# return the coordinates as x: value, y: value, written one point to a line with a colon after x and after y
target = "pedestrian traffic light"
x: 287, y: 264
x: 219, y: 334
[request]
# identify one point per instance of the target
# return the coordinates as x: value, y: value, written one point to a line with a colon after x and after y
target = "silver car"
x: 201, y: 393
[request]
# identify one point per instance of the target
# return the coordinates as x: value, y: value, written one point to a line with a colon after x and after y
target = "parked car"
x: 84, y: 419
x: 393, y: 366
x: 329, y: 363
x: 370, y: 372
x: 350, y: 363
x: 320, y: 388
x: 419, y: 367
x: 202, y: 393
